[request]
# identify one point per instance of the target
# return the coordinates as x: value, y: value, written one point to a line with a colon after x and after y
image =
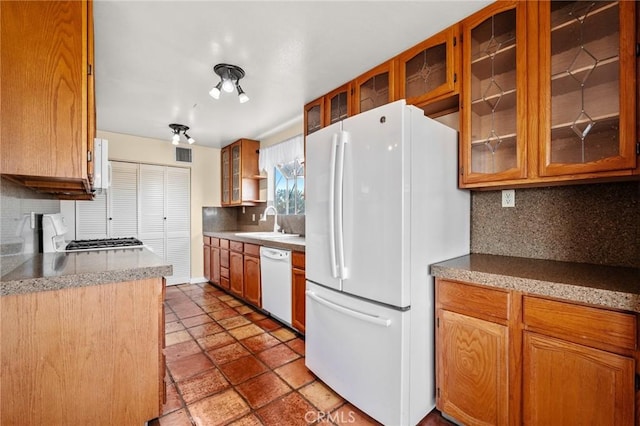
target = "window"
x: 289, y: 188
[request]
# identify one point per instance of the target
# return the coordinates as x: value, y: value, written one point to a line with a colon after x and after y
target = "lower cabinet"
x: 214, y: 260
x: 252, y: 287
x: 206, y: 248
x: 298, y: 287
x: 224, y: 264
x: 507, y: 357
x: 236, y: 268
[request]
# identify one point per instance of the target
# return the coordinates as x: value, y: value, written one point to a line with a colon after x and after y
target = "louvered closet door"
x: 91, y: 218
x: 152, y: 205
x: 178, y: 209
x: 123, y: 200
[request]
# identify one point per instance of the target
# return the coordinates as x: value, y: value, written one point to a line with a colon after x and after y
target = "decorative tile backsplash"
x: 595, y: 223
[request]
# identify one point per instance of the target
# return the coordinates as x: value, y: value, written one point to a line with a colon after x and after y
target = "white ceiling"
x: 154, y: 59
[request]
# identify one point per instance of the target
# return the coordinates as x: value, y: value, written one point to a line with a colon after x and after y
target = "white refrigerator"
x: 382, y: 204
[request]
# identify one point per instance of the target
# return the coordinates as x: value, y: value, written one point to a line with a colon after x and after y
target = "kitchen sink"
x: 267, y: 235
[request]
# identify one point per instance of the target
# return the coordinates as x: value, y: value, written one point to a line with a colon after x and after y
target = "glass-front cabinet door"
x: 493, y: 119
x: 314, y: 116
x: 338, y: 104
x: 236, y: 159
x: 427, y: 71
x: 587, y: 95
x: 225, y: 162
x: 374, y: 88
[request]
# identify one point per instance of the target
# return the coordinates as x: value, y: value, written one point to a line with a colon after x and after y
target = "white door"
x: 123, y: 200
x: 178, y: 223
x: 152, y: 208
x: 376, y: 205
x: 91, y: 218
x: 319, y: 195
x: 360, y: 350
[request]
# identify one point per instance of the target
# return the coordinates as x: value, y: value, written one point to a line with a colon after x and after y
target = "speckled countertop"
x: 31, y: 273
x: 291, y: 243
x: 608, y: 286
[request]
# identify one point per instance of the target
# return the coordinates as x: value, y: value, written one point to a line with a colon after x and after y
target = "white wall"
x: 205, y: 178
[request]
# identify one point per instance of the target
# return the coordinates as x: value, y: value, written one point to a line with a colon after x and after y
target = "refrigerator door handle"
x: 373, y: 319
x: 332, y: 208
x: 344, y: 273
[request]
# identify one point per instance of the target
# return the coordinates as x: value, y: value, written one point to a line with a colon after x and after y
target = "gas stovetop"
x: 103, y: 244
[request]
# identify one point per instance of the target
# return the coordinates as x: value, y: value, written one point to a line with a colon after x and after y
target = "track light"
x: 230, y: 76
x: 177, y: 128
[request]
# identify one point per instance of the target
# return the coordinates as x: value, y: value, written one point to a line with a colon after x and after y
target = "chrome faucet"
x: 275, y: 219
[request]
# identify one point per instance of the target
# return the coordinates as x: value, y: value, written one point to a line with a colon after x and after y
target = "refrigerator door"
x: 320, y: 236
x: 361, y: 350
x: 376, y: 205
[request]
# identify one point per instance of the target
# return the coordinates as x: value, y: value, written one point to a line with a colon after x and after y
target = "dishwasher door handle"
x: 275, y: 254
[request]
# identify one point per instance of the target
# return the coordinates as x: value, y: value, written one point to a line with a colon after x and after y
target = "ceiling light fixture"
x: 177, y: 128
x: 230, y: 76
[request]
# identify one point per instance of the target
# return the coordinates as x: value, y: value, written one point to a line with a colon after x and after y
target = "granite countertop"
x: 607, y: 286
x: 290, y: 243
x: 29, y: 273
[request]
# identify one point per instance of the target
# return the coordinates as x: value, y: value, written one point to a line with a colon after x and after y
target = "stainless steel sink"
x: 267, y: 235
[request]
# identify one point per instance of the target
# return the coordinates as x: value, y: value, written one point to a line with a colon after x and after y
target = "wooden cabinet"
x: 236, y: 268
x: 239, y: 173
x: 252, y: 287
x: 472, y: 353
x: 504, y: 357
x: 428, y: 73
x: 48, y: 106
x: 83, y: 355
x: 215, y: 261
x: 543, y: 93
x: 338, y: 104
x: 374, y: 88
x: 314, y: 116
x: 224, y: 264
x: 298, y: 288
x: 206, y: 248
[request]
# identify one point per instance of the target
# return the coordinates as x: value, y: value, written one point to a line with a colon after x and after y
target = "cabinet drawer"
x: 236, y: 246
x: 590, y: 326
x: 224, y: 258
x: 224, y: 243
x: 252, y: 249
x: 215, y: 242
x: 224, y: 272
x: 206, y: 241
x: 297, y: 259
x: 477, y: 301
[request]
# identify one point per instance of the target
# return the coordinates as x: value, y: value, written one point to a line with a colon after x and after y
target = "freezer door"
x: 376, y: 210
x: 361, y: 351
x: 320, y: 206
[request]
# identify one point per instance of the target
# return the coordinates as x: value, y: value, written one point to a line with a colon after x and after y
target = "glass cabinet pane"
x: 338, y: 107
x: 314, y: 119
x: 585, y: 69
x: 494, y: 138
x: 235, y: 173
x: 426, y: 71
x: 374, y: 92
x: 225, y: 176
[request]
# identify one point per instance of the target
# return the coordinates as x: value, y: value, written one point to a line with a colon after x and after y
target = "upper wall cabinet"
x: 48, y: 110
x: 239, y: 173
x: 314, y: 116
x: 338, y: 104
x: 429, y: 71
x: 375, y: 88
x: 549, y: 93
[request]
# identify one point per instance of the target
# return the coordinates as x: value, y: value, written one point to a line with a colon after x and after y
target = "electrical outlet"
x: 508, y: 198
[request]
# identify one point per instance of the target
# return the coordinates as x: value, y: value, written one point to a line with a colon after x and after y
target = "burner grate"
x: 103, y: 243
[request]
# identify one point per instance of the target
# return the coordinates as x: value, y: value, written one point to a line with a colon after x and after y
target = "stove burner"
x: 103, y: 243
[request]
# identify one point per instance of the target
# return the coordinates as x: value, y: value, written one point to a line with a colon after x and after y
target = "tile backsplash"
x: 16, y: 205
x: 247, y: 220
x: 595, y: 223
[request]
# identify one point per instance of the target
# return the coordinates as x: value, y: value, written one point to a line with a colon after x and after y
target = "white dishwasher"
x: 275, y: 275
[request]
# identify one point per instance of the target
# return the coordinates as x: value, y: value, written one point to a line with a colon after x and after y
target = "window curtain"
x: 281, y: 153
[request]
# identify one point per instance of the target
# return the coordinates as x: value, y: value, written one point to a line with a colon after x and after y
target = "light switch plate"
x: 508, y: 198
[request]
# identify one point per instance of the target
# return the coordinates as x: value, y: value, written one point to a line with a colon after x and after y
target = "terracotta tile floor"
x: 229, y: 364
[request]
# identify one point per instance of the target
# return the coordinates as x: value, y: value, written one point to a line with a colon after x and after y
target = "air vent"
x: 183, y: 155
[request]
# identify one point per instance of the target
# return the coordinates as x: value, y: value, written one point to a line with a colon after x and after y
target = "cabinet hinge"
x: 89, y: 156
x: 637, y: 148
x: 455, y: 77
x: 455, y: 41
x: 637, y: 49
x: 461, y: 170
x: 438, y: 392
x: 90, y: 69
x: 637, y: 384
x: 437, y: 322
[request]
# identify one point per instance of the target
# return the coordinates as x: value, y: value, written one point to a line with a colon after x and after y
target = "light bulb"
x: 189, y: 138
x: 227, y: 86
x: 242, y: 97
x: 215, y: 92
x: 175, y: 139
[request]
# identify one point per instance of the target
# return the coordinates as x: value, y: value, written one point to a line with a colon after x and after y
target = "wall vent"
x: 183, y: 155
